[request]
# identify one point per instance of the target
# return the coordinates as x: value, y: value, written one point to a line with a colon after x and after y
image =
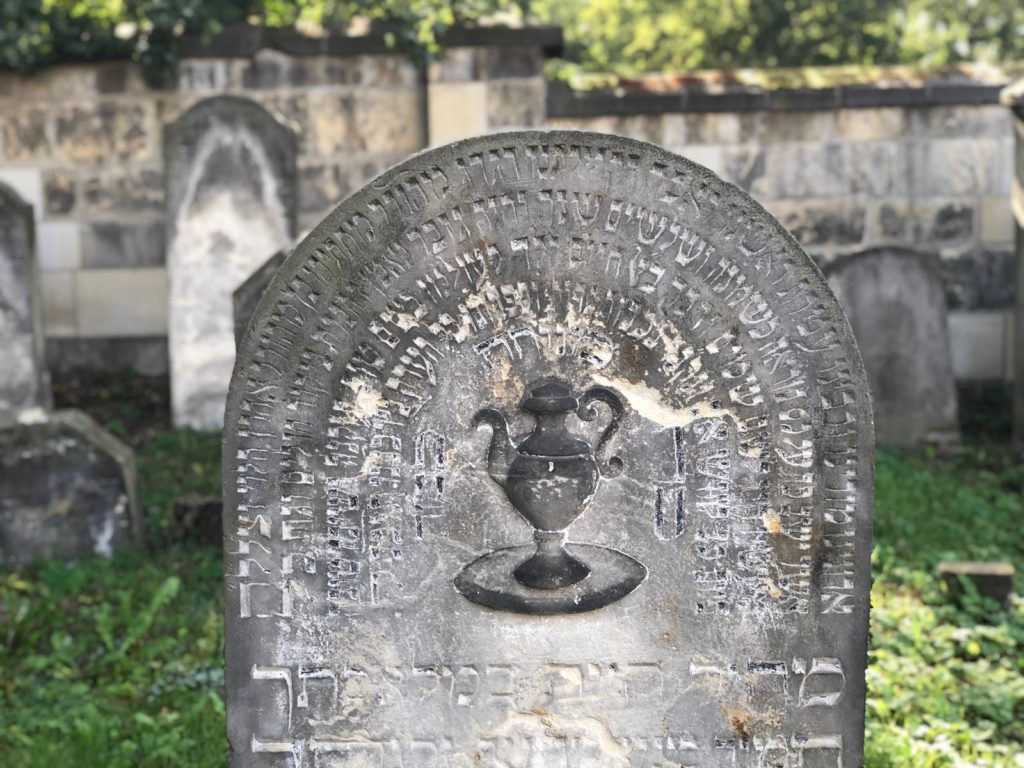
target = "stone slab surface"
x: 896, y: 302
x: 575, y: 342
x: 248, y: 294
x: 231, y: 202
x: 67, y: 490
x: 24, y: 382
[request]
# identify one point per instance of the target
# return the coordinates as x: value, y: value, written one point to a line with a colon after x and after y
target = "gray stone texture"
x: 24, y: 382
x: 701, y: 425
x: 896, y: 303
x: 67, y: 490
x: 231, y: 201
x: 248, y: 294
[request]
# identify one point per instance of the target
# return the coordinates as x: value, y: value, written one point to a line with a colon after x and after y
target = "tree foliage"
x: 625, y: 37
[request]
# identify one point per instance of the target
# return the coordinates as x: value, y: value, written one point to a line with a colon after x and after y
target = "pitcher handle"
x: 613, y: 466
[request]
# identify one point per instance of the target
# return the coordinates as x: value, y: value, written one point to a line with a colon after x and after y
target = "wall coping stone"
x: 564, y: 101
x: 244, y: 40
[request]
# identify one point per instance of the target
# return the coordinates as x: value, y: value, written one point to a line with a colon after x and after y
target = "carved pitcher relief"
x: 550, y: 477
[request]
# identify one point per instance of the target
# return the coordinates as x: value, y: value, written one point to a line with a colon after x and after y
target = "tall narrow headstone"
x: 231, y: 201
x: 547, y: 449
x: 24, y: 383
x: 1013, y: 97
x: 896, y: 303
x: 247, y: 295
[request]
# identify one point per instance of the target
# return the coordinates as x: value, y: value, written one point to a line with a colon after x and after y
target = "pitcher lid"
x: 551, y: 397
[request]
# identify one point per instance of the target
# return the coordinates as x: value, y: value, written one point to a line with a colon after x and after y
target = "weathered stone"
x: 952, y: 222
x: 24, y: 134
x: 24, y: 383
x: 878, y: 168
x: 247, y: 296
x: 59, y: 192
x: 979, y: 279
x: 896, y: 303
x: 120, y: 245
x: 816, y: 224
x: 124, y: 192
x: 515, y: 103
x: 384, y: 602
x: 146, y: 356
x: 231, y: 201
x: 807, y: 170
x: 370, y: 120
x: 67, y: 490
x: 991, y: 580
x: 104, y: 132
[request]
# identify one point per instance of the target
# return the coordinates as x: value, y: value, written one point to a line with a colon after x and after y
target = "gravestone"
x: 896, y: 303
x: 67, y: 489
x: 24, y: 382
x: 248, y: 294
x: 547, y: 449
x: 230, y: 202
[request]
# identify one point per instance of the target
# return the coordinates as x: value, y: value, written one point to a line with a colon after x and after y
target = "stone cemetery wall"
x: 916, y: 165
x: 230, y: 205
x: 547, y: 449
x: 24, y: 381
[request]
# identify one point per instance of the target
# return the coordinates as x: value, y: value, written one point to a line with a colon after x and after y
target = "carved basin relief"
x: 550, y: 478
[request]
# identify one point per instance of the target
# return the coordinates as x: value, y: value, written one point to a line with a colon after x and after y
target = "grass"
x: 119, y: 663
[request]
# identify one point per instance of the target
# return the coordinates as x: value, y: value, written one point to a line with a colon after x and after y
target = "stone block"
x: 67, y: 491
x: 878, y: 168
x: 712, y: 158
x: 872, y: 124
x: 948, y: 167
x: 807, y: 170
x: 979, y: 278
x: 128, y: 193
x: 367, y: 120
x: 991, y: 580
x: 24, y: 382
x: 204, y: 75
x: 978, y: 345
x: 515, y: 103
x: 119, y: 245
x: 716, y: 128
x: 146, y: 355
x: 455, y: 65
x: 799, y: 126
x: 58, y: 245
x: 745, y: 167
x: 896, y: 303
x: 382, y: 70
x: 60, y: 317
x: 60, y: 192
x: 951, y: 223
x: 500, y: 62
x: 24, y: 135
x: 960, y: 121
x: 997, y: 223
x: 121, y: 302
x: 292, y: 110
x: 456, y: 110
x: 815, y: 223
x: 273, y: 69
x: 1000, y: 157
x: 247, y: 296
x: 105, y: 131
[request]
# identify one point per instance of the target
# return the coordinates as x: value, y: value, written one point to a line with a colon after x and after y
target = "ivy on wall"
x: 624, y: 37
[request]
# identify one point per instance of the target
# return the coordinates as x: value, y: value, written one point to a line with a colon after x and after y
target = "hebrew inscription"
x: 547, y: 449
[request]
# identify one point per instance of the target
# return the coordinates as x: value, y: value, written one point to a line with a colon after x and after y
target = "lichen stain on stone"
x: 546, y: 731
x: 772, y: 521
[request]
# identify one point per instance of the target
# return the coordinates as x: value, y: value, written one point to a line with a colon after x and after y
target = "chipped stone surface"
x: 67, y: 490
x: 896, y: 302
x: 231, y: 203
x: 702, y: 435
x: 24, y: 382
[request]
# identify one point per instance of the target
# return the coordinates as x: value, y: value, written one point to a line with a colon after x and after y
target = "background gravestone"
x: 24, y: 382
x: 896, y: 303
x: 67, y: 489
x: 547, y: 449
x: 231, y: 200
x: 248, y: 294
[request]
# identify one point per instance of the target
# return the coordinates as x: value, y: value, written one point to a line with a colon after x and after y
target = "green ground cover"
x: 119, y: 663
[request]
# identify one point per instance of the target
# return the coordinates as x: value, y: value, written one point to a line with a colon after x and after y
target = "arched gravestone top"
x: 24, y: 380
x: 711, y: 606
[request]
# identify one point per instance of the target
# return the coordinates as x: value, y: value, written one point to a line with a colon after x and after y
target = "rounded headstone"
x: 547, y: 449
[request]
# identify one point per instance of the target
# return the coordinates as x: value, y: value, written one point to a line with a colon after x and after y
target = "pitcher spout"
x: 502, y: 452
